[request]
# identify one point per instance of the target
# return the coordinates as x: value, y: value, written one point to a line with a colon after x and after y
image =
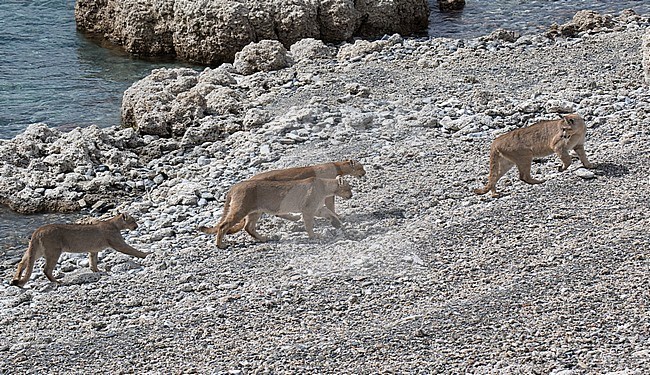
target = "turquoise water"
x: 50, y: 73
x: 526, y: 16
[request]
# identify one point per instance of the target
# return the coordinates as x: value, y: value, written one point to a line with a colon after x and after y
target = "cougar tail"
x: 226, y: 208
x: 208, y: 230
x: 494, y: 173
x: 26, y: 266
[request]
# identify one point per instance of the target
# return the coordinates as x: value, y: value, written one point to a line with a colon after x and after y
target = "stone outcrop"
x: 45, y: 170
x: 212, y: 31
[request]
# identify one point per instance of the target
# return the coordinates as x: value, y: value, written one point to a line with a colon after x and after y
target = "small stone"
x: 585, y: 173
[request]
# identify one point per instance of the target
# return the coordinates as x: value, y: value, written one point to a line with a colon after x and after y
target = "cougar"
x: 520, y: 146
x: 53, y: 239
x: 247, y: 200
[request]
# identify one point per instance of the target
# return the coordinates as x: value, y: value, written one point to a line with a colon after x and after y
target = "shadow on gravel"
x: 396, y: 213
x: 611, y: 169
x: 374, y: 217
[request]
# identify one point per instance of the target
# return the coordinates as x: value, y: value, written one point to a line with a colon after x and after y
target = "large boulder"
x: 212, y: 31
x: 168, y: 102
x: 264, y: 56
x: 142, y: 27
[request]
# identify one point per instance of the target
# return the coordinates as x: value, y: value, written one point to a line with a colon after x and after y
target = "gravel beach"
x: 424, y: 277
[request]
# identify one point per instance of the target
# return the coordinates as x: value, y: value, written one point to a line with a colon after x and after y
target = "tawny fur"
x: 520, y: 146
x: 53, y: 239
x: 325, y: 170
x: 248, y: 200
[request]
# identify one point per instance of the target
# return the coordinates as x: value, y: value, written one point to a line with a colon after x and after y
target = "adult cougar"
x: 53, y: 239
x: 520, y: 146
x: 247, y: 200
x: 326, y: 170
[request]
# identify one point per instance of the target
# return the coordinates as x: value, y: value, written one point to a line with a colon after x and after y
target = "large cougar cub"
x: 247, y: 200
x: 520, y: 146
x: 53, y: 239
x: 325, y: 170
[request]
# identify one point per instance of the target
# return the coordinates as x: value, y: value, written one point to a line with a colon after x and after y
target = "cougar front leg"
x: 308, y: 218
x: 125, y: 248
x: 92, y: 261
x: 328, y: 214
x: 580, y: 150
x: 566, y: 159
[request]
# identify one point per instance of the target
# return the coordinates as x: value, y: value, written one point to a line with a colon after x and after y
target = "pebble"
x: 584, y: 173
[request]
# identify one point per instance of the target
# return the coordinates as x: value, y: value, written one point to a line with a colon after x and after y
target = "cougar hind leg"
x: 50, y: 263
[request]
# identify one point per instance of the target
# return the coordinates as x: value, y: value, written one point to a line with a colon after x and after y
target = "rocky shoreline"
x: 425, y: 277
x: 212, y: 31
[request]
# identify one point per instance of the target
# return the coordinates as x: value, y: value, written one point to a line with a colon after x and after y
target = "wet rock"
x: 584, y: 20
x: 211, y: 32
x: 451, y: 5
x: 503, y: 34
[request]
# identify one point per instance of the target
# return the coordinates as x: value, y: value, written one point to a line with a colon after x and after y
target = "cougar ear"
x: 339, y: 179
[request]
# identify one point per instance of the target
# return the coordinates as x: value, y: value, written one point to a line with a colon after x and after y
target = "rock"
x: 584, y: 20
x: 360, y: 48
x: 217, y: 77
x: 403, y: 17
x: 223, y: 101
x: 184, y: 192
x: 310, y: 49
x: 37, y: 172
x: 264, y: 56
x: 213, y: 31
x: 210, y: 32
x: 142, y: 27
x: 84, y: 278
x: 585, y: 173
x: 451, y: 5
x: 503, y: 34
x: 559, y: 106
x: 157, y: 104
x: 590, y: 20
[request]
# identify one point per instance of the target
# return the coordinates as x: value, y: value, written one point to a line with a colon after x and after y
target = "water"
x: 50, y: 73
x: 480, y: 17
